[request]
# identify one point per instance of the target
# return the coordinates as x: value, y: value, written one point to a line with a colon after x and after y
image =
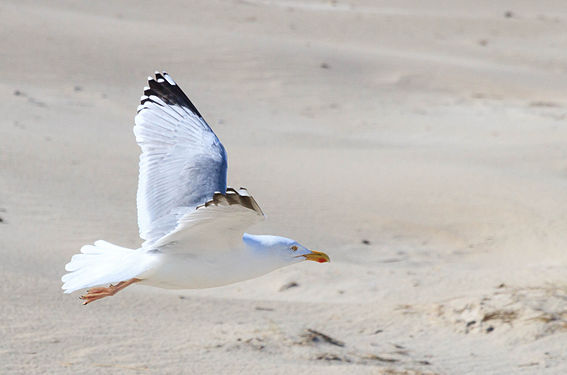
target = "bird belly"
x: 189, y: 271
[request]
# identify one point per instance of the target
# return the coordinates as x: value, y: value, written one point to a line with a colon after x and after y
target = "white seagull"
x: 192, y: 223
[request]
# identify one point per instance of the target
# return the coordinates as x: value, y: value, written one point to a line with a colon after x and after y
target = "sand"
x: 422, y: 145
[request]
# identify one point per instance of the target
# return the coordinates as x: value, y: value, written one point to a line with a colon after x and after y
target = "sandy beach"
x: 422, y: 145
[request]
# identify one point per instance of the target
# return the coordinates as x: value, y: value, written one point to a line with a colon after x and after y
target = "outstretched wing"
x: 217, y: 225
x: 182, y: 164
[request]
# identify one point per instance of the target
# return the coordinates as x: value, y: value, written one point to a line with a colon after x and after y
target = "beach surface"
x: 422, y: 145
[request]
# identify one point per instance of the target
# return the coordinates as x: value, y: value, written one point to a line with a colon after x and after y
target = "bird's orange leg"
x: 100, y: 292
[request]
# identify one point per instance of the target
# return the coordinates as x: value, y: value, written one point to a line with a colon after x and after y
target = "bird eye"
x: 294, y: 248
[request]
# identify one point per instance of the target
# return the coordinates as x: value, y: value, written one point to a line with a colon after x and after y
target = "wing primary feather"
x: 232, y: 197
x: 169, y: 93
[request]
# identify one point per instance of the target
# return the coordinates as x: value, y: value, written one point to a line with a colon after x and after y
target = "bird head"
x: 285, y: 249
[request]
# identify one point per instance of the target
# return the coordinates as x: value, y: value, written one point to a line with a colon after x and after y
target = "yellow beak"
x: 317, y: 256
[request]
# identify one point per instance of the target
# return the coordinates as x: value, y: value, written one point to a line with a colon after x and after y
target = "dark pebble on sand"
x: 289, y: 285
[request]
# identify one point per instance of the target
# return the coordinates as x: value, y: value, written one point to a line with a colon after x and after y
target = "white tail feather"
x: 104, y: 263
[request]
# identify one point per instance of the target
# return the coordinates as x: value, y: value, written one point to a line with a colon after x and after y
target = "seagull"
x: 193, y: 225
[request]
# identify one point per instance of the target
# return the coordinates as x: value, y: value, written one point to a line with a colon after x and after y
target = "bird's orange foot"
x: 97, y: 293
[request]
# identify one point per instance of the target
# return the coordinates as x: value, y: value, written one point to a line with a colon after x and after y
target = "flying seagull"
x: 192, y: 223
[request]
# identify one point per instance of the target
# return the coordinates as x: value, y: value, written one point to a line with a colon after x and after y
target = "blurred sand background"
x: 422, y: 145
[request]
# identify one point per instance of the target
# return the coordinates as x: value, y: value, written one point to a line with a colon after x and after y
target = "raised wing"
x: 217, y: 225
x: 182, y: 164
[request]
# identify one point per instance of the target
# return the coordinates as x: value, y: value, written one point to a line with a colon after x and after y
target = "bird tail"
x: 103, y: 263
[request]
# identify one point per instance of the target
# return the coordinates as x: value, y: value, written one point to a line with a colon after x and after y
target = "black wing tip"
x: 233, y: 196
x: 166, y: 89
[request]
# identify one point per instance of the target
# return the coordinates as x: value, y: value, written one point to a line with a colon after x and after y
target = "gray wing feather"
x: 182, y: 164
